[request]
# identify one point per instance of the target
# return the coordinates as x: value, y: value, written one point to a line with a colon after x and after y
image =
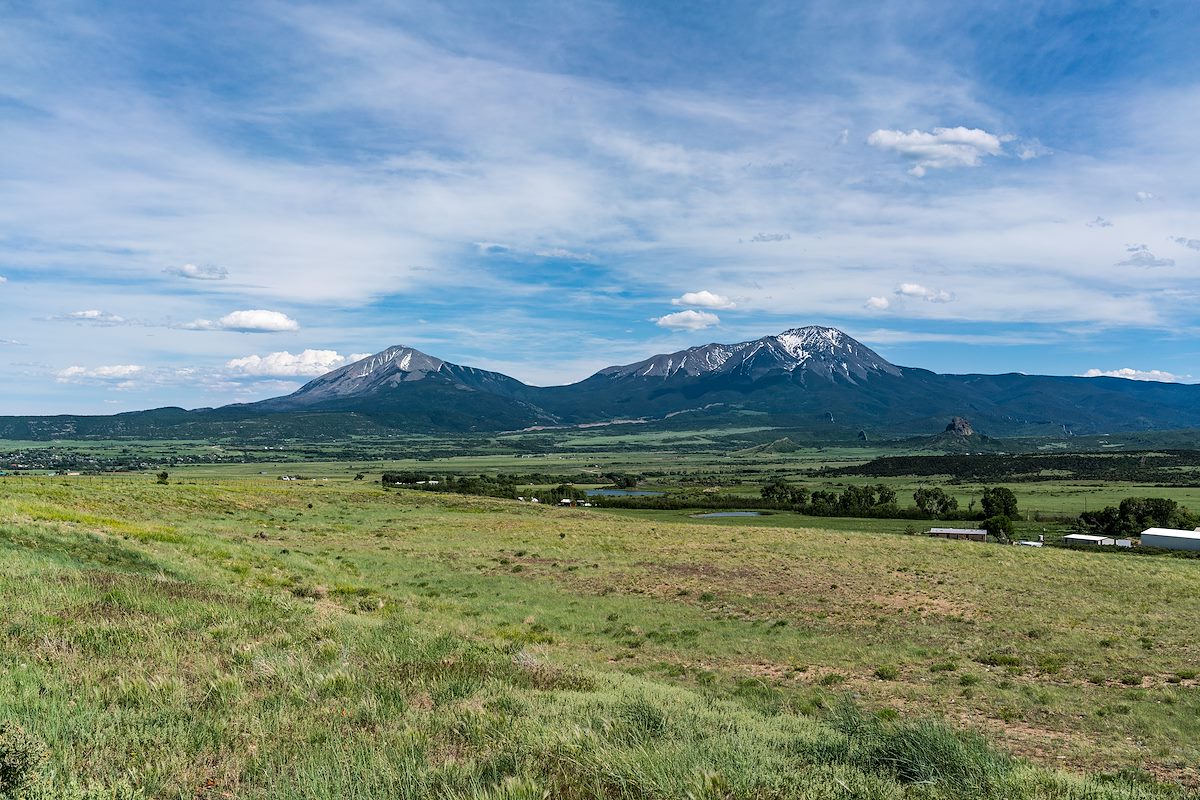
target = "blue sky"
x: 211, y: 205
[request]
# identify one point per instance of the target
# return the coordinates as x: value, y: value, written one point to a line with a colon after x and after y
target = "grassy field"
x: 251, y: 638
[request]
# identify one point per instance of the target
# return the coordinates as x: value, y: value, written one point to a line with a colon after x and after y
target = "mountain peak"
x: 815, y: 349
x: 396, y: 364
x: 397, y: 358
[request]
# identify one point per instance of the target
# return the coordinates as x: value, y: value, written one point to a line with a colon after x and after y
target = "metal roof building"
x: 1088, y: 539
x: 1171, y: 539
x: 970, y: 534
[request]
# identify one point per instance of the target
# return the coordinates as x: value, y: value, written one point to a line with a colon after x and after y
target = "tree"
x: 798, y: 497
x: 622, y: 480
x: 777, y: 491
x: 885, y: 495
x: 999, y: 502
x: 1000, y: 527
x: 934, y: 501
x: 857, y: 500
x: 163, y: 477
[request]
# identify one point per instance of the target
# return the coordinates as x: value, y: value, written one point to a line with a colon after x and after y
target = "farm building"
x: 1171, y: 539
x: 970, y: 534
x: 1088, y: 539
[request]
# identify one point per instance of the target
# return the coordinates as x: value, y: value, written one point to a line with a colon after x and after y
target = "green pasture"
x: 248, y: 637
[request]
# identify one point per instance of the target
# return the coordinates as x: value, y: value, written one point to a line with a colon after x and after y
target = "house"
x: 969, y: 534
x: 1171, y: 539
x: 1088, y: 540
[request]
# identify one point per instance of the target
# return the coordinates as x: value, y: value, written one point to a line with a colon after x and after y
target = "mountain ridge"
x: 811, y: 378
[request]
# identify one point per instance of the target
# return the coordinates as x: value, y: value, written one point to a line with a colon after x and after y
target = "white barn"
x: 1088, y: 539
x: 1171, y: 539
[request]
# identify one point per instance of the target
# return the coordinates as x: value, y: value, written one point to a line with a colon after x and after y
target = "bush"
x: 887, y: 673
x: 21, y: 755
x: 923, y: 752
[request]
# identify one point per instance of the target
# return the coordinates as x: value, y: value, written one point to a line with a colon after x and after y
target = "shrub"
x: 922, y: 752
x: 21, y: 755
x: 1000, y: 660
x: 887, y: 672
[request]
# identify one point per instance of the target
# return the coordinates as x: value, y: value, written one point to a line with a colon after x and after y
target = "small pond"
x: 727, y: 514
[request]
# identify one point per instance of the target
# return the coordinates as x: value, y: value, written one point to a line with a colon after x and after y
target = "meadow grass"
x: 255, y: 639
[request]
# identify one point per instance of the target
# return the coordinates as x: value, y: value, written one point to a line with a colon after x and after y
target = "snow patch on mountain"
x: 812, y: 349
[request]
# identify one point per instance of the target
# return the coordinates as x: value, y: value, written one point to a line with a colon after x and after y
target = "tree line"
x: 1136, y: 514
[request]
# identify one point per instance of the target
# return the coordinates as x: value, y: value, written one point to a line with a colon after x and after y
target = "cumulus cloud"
x: 1140, y: 256
x: 1193, y: 244
x: 1099, y: 222
x: 925, y: 293
x: 284, y: 364
x: 689, y: 320
x: 11, y: 342
x: 770, y: 237
x: 1137, y: 375
x: 942, y: 148
x: 3, y: 279
x: 1145, y: 197
x: 109, y: 373
x: 93, y: 316
x: 207, y: 272
x: 877, y: 303
x: 703, y: 299
x: 251, y: 321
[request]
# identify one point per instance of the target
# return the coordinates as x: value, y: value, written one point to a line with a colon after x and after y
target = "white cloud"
x: 1032, y: 148
x: 284, y: 364
x: 114, y: 372
x: 208, y: 272
x: 941, y: 149
x: 704, y: 299
x: 3, y: 279
x: 877, y: 303
x: 1137, y: 375
x: 1193, y: 244
x: 564, y: 254
x: 93, y: 316
x: 770, y: 237
x: 688, y: 320
x: 1145, y: 197
x: 251, y: 321
x: 924, y: 293
x: 1140, y: 256
x: 1100, y: 222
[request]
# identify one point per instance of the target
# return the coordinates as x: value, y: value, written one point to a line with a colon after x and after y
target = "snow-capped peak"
x: 819, y: 350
